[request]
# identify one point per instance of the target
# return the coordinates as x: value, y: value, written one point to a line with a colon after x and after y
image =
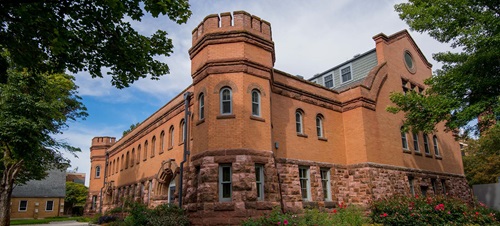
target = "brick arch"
x: 202, y: 90
x: 225, y: 83
x: 256, y: 86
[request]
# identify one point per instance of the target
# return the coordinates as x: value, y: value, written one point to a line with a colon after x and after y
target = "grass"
x: 47, y: 220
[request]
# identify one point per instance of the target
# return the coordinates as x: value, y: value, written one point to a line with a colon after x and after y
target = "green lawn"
x: 47, y: 220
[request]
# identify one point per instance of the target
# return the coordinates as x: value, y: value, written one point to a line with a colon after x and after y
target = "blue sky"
x: 310, y: 37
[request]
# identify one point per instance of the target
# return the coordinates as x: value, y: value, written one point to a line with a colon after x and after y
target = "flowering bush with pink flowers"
x: 439, y: 210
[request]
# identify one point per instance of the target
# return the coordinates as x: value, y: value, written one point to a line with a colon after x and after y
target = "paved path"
x: 61, y: 223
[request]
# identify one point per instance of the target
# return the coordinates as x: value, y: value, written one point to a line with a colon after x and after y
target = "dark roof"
x: 54, y: 185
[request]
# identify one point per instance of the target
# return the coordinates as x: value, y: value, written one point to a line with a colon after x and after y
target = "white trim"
x: 307, y: 179
x: 222, y: 101
x: 19, y: 208
x: 340, y: 73
x: 299, y: 125
x: 222, y: 183
x: 259, y: 170
x: 46, y: 202
x: 328, y: 184
x: 97, y: 173
x: 257, y: 102
x: 319, y: 126
x: 171, y: 197
x: 333, y: 80
x: 201, y: 106
x: 416, y: 146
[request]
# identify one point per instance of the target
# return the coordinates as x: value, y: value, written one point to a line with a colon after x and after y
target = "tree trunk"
x: 5, y: 196
x: 6, y: 186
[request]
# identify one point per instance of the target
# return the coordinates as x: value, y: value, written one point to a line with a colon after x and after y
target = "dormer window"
x: 329, y: 81
x: 346, y: 74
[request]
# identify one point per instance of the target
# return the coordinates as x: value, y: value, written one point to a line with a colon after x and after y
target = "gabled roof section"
x: 399, y: 35
x: 54, y: 185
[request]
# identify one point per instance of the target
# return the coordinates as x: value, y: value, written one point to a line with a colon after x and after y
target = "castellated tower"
x: 232, y: 62
x: 97, y: 171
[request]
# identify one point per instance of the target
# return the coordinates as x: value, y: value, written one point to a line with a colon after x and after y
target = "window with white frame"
x: 415, y: 142
x: 319, y: 126
x: 171, y: 137
x: 325, y: 183
x: 305, y: 183
x: 411, y: 183
x: 171, y: 191
x: 426, y: 145
x: 94, y: 202
x: 404, y: 139
x: 97, y: 171
x: 329, y: 81
x: 436, y: 148
x: 256, y: 103
x: 183, y: 130
x: 49, y: 205
x: 23, y: 205
x: 346, y: 74
x: 225, y: 183
x: 201, y: 107
x: 226, y: 101
x: 153, y: 146
x: 259, y: 180
x: 298, y: 122
x: 162, y: 141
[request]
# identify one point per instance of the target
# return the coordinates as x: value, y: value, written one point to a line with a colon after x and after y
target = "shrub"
x: 167, y: 215
x: 403, y: 210
x: 341, y: 216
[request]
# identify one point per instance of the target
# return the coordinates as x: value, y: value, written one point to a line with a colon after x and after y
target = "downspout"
x: 187, y: 100
x: 103, y: 181
x: 273, y: 144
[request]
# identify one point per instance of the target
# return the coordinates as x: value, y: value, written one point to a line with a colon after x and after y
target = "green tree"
x: 133, y: 126
x: 86, y: 35
x: 468, y: 85
x: 76, y: 194
x: 33, y: 107
x: 482, y: 159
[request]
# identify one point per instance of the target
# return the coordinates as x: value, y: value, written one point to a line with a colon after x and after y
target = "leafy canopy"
x: 482, y: 159
x: 76, y: 35
x: 76, y: 194
x: 33, y: 107
x: 468, y: 85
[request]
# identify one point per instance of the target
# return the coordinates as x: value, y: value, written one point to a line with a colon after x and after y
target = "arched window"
x: 97, y: 171
x: 110, y: 167
x: 404, y: 139
x: 319, y: 126
x: 127, y: 161
x: 162, y: 141
x: 123, y: 162
x: 139, y: 154
x: 299, y: 122
x: 256, y: 103
x: 153, y: 146
x: 132, y: 158
x: 115, y: 170
x: 436, y: 148
x: 226, y: 101
x: 201, y: 101
x: 171, y: 137
x: 145, y: 151
x: 182, y: 130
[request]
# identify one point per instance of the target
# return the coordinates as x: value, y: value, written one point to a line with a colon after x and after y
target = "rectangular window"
x: 305, y: 184
x: 23, y: 205
x: 412, y: 189
x: 329, y: 81
x: 404, y: 141
x: 94, y: 202
x: 415, y: 142
x: 171, y: 193
x: 49, y: 206
x: 426, y: 145
x: 434, y: 187
x: 346, y: 74
x: 443, y: 185
x: 259, y: 180
x: 225, y: 183
x: 325, y: 182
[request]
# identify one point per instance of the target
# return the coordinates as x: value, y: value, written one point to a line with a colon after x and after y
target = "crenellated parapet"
x: 238, y: 21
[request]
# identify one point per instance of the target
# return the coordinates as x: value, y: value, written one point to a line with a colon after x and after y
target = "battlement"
x: 103, y: 141
x: 238, y: 21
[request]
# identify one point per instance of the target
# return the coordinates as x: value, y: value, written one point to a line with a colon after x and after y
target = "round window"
x: 409, y: 62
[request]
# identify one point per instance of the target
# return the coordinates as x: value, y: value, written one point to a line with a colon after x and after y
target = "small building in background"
x: 78, y: 178
x: 488, y: 194
x: 40, y: 198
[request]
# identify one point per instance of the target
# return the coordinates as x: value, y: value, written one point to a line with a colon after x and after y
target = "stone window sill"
x: 302, y: 135
x: 200, y: 121
x: 322, y: 139
x: 428, y: 155
x: 407, y: 151
x: 226, y: 116
x: 418, y: 153
x: 257, y: 118
x: 439, y: 157
x: 170, y: 148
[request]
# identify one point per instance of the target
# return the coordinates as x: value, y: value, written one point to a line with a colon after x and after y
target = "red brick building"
x: 259, y: 137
